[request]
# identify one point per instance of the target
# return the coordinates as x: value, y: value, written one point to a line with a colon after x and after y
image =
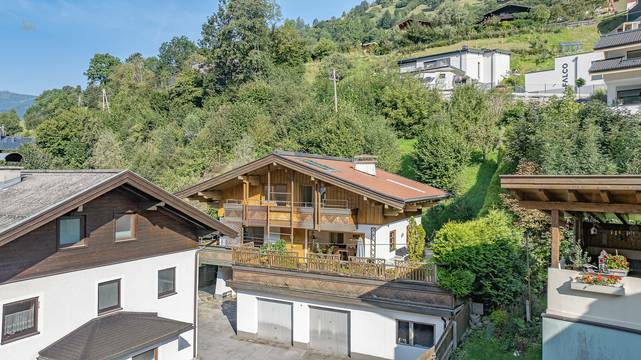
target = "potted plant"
x: 617, y: 265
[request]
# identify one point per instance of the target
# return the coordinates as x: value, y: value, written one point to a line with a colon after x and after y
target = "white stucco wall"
x: 223, y: 275
x: 566, y: 70
x: 382, y: 237
x: 372, y: 331
x: 69, y: 300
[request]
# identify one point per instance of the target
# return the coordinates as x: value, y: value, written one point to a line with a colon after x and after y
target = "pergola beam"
x: 573, y: 196
x: 605, y: 196
x: 597, y: 217
x: 543, y: 195
x: 583, y: 206
x: 621, y: 218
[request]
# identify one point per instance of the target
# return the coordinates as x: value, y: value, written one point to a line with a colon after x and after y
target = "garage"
x: 329, y: 331
x: 275, y: 321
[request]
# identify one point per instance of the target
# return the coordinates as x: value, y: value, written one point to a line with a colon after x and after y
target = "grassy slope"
x: 407, y: 162
x: 477, y: 347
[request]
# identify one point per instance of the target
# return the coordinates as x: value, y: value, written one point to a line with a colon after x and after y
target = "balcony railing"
x: 334, y: 214
x: 357, y: 267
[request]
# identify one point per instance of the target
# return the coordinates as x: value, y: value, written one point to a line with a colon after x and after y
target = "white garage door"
x: 329, y: 331
x: 275, y: 321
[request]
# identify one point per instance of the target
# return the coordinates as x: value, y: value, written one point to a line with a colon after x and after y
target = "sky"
x: 48, y: 43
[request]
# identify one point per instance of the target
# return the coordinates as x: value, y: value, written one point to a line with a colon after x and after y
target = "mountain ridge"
x: 20, y: 102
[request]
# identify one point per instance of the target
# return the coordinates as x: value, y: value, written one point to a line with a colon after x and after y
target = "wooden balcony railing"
x: 357, y: 267
x: 334, y: 214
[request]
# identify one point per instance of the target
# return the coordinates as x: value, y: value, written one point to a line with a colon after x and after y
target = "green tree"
x: 108, y: 152
x: 323, y: 48
x: 68, y: 136
x: 440, y: 154
x: 387, y: 20
x: 473, y: 115
x: 236, y: 40
x: 174, y: 53
x: 50, y: 103
x: 289, y: 46
x: 11, y: 122
x: 415, y: 241
x: 101, y: 66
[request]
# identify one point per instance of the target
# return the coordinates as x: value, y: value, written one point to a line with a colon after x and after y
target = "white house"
x: 444, y: 71
x: 567, y: 70
x: 620, y: 68
x: 97, y: 265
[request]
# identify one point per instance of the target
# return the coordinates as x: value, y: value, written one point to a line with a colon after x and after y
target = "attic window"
x: 319, y: 165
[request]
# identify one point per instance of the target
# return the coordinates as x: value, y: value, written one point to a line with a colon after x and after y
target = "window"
x: 392, y: 240
x: 147, y: 355
x: 629, y: 97
x: 336, y: 238
x: 19, y: 320
x: 71, y: 231
x: 166, y: 282
x: 307, y: 194
x: 108, y: 296
x: 125, y: 227
x: 254, y: 234
x: 634, y: 54
x: 414, y: 334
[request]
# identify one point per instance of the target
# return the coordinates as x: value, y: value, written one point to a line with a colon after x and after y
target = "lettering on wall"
x: 565, y: 74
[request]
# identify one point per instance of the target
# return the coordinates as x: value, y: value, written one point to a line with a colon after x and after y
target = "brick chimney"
x: 366, y: 164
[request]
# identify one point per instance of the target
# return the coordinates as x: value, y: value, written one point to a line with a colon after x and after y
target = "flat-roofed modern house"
x: 620, y: 68
x: 97, y: 265
x: 343, y: 284
x: 591, y: 313
x: 486, y: 67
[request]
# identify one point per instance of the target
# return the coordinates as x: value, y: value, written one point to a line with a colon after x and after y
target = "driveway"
x: 217, y: 336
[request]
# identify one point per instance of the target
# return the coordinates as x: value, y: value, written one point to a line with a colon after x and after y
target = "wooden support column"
x: 317, y: 206
x: 291, y: 208
x: 556, y: 239
x: 269, y: 199
x: 306, y: 232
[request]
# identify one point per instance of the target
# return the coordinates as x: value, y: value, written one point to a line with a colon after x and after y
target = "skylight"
x: 319, y: 165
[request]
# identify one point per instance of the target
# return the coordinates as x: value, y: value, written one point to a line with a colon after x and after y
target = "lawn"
x: 478, y: 347
x: 406, y: 147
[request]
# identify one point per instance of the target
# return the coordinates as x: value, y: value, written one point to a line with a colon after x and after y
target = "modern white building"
x: 567, y: 70
x: 620, y: 68
x: 486, y: 67
x: 97, y: 265
x: 343, y: 283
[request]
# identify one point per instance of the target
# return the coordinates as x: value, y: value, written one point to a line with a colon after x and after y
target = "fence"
x: 358, y: 267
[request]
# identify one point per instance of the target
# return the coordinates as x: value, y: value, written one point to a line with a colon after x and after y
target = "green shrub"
x: 487, y: 248
x: 279, y: 247
x: 460, y: 282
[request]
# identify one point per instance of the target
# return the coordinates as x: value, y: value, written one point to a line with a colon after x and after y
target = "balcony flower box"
x: 599, y: 283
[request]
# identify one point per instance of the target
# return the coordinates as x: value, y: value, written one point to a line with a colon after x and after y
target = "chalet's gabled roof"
x: 43, y: 195
x: 385, y: 187
x: 116, y: 336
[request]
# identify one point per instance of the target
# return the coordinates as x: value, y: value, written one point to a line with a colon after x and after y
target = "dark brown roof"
x: 385, y: 187
x: 44, y: 195
x: 117, y: 336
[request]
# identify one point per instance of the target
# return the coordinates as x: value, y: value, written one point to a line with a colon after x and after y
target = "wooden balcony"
x: 335, y: 217
x: 356, y: 267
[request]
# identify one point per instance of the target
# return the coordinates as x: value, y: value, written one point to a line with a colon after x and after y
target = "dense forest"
x: 254, y: 83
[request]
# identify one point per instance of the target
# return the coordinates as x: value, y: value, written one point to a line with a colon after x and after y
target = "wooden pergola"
x: 596, y: 197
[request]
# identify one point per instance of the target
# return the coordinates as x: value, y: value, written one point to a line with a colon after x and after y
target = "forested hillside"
x: 18, y: 102
x: 253, y: 84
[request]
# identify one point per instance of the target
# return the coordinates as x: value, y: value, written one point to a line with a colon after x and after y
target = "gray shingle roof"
x: 14, y: 142
x: 40, y: 190
x: 618, y: 63
x: 116, y: 336
x: 618, y: 39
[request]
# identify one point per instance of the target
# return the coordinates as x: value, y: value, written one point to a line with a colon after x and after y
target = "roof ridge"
x: 73, y: 171
x: 311, y: 156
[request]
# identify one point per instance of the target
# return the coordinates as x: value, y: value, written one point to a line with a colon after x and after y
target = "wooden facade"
x: 157, y: 232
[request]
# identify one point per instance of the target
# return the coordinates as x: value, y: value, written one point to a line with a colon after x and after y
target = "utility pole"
x: 335, y: 93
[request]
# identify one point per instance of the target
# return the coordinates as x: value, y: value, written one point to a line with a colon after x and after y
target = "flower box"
x: 618, y: 289
x: 618, y: 272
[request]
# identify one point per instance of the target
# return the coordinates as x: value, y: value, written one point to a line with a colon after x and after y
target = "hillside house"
x: 507, y: 12
x: 343, y: 284
x: 620, y: 68
x: 97, y: 265
x: 444, y: 71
